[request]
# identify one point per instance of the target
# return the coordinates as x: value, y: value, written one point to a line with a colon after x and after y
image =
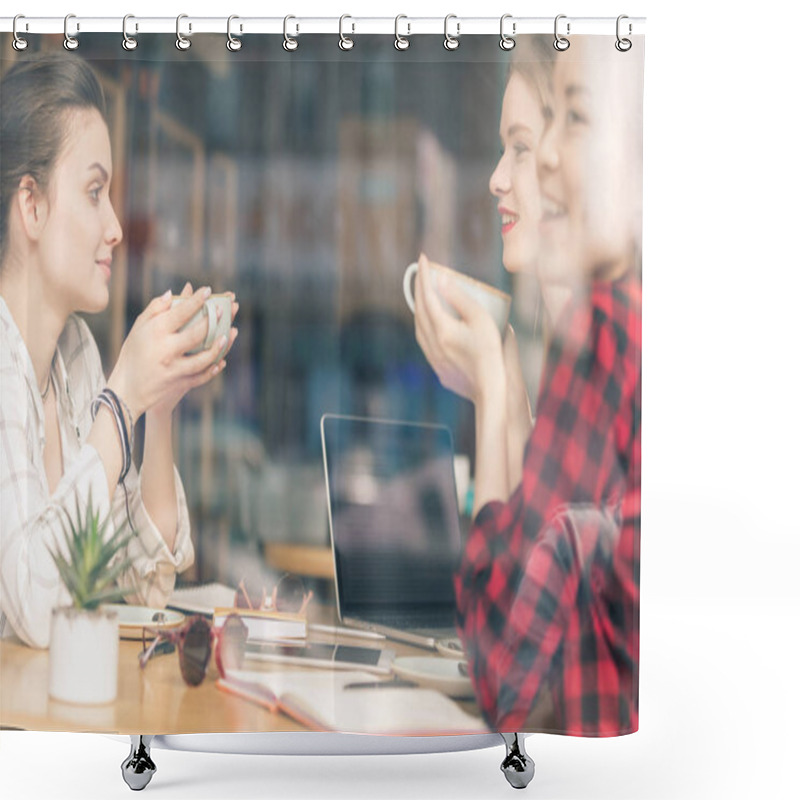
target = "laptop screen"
x: 393, y: 515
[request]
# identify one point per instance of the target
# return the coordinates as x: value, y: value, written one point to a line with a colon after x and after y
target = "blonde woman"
x: 547, y: 590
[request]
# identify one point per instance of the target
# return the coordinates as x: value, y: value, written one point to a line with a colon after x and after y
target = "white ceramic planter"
x: 84, y: 654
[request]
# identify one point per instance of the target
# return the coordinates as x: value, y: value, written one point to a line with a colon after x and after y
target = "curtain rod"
x: 348, y: 25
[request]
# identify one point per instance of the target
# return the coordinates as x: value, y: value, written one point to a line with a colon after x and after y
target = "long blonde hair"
x: 533, y: 62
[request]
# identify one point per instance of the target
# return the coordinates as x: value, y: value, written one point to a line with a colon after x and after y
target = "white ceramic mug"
x: 497, y: 303
x: 216, y: 327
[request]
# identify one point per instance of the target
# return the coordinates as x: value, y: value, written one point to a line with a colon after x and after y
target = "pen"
x: 396, y: 684
x: 337, y: 631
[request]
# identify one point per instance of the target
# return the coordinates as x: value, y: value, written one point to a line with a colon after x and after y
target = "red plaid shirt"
x: 548, y: 585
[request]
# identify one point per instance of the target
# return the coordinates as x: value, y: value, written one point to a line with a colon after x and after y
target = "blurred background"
x: 305, y: 182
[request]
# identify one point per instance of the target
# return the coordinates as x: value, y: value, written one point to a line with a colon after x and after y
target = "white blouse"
x: 32, y: 519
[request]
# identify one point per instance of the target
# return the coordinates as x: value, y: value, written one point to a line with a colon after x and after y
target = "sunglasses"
x: 195, y: 640
x: 289, y: 596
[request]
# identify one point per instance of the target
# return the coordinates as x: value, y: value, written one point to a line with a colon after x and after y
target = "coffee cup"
x: 216, y: 315
x: 496, y: 303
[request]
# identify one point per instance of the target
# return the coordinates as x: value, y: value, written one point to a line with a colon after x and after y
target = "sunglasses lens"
x: 231, y: 644
x: 196, y: 652
x: 290, y: 593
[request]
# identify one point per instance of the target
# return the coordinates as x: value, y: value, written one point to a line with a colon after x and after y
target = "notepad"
x: 202, y: 599
x: 266, y: 626
x: 320, y: 701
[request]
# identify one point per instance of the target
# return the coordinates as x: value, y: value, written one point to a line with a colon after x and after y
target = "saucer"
x: 442, y: 674
x: 132, y: 619
x: 451, y: 647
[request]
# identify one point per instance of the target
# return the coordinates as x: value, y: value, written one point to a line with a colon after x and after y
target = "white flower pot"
x: 84, y: 653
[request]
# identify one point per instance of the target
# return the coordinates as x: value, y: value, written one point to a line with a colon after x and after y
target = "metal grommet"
x: 128, y: 42
x: 345, y: 42
x: 181, y: 42
x: 289, y: 42
x: 623, y: 45
x: 451, y: 42
x: 233, y: 44
x: 70, y: 42
x: 561, y: 43
x: 18, y: 43
x: 401, y: 42
x: 507, y: 42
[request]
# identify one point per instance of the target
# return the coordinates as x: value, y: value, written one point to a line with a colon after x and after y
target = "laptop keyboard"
x: 417, y: 622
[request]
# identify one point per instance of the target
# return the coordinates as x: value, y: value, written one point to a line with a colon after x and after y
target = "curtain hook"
x: 70, y: 42
x: 451, y: 42
x: 128, y: 42
x: 18, y: 43
x: 623, y: 45
x: 345, y: 42
x: 401, y: 42
x: 182, y: 43
x: 507, y: 42
x: 561, y: 43
x: 289, y: 42
x: 233, y: 44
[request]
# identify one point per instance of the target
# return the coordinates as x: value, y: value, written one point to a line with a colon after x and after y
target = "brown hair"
x: 36, y: 98
x: 533, y: 61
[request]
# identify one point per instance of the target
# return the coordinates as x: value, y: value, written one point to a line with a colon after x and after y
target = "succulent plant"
x: 86, y: 567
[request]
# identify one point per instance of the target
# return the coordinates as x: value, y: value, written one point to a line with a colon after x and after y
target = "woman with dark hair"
x: 547, y: 590
x: 65, y: 430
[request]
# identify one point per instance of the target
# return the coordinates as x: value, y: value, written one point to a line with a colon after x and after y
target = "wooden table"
x: 150, y: 700
x: 315, y: 562
x: 154, y: 700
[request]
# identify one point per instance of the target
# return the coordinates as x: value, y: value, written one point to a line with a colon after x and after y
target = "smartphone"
x: 317, y: 654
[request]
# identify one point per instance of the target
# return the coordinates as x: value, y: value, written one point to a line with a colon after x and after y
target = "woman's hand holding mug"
x: 466, y: 351
x: 153, y: 370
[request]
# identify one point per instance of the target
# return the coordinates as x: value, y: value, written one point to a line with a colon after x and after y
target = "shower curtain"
x: 304, y: 180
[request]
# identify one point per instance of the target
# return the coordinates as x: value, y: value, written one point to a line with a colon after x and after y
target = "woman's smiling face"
x: 589, y: 166
x: 81, y: 228
x: 514, y: 181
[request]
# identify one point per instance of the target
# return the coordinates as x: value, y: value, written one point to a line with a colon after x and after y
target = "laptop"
x: 394, y: 526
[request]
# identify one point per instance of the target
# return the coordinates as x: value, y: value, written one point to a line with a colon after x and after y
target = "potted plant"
x: 84, y: 637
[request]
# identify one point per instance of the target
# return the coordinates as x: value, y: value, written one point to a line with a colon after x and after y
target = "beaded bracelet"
x: 130, y: 419
x: 105, y: 400
x: 120, y: 403
x: 109, y: 399
x: 128, y: 439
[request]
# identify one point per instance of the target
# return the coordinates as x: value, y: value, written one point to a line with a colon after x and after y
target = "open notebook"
x: 319, y: 700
